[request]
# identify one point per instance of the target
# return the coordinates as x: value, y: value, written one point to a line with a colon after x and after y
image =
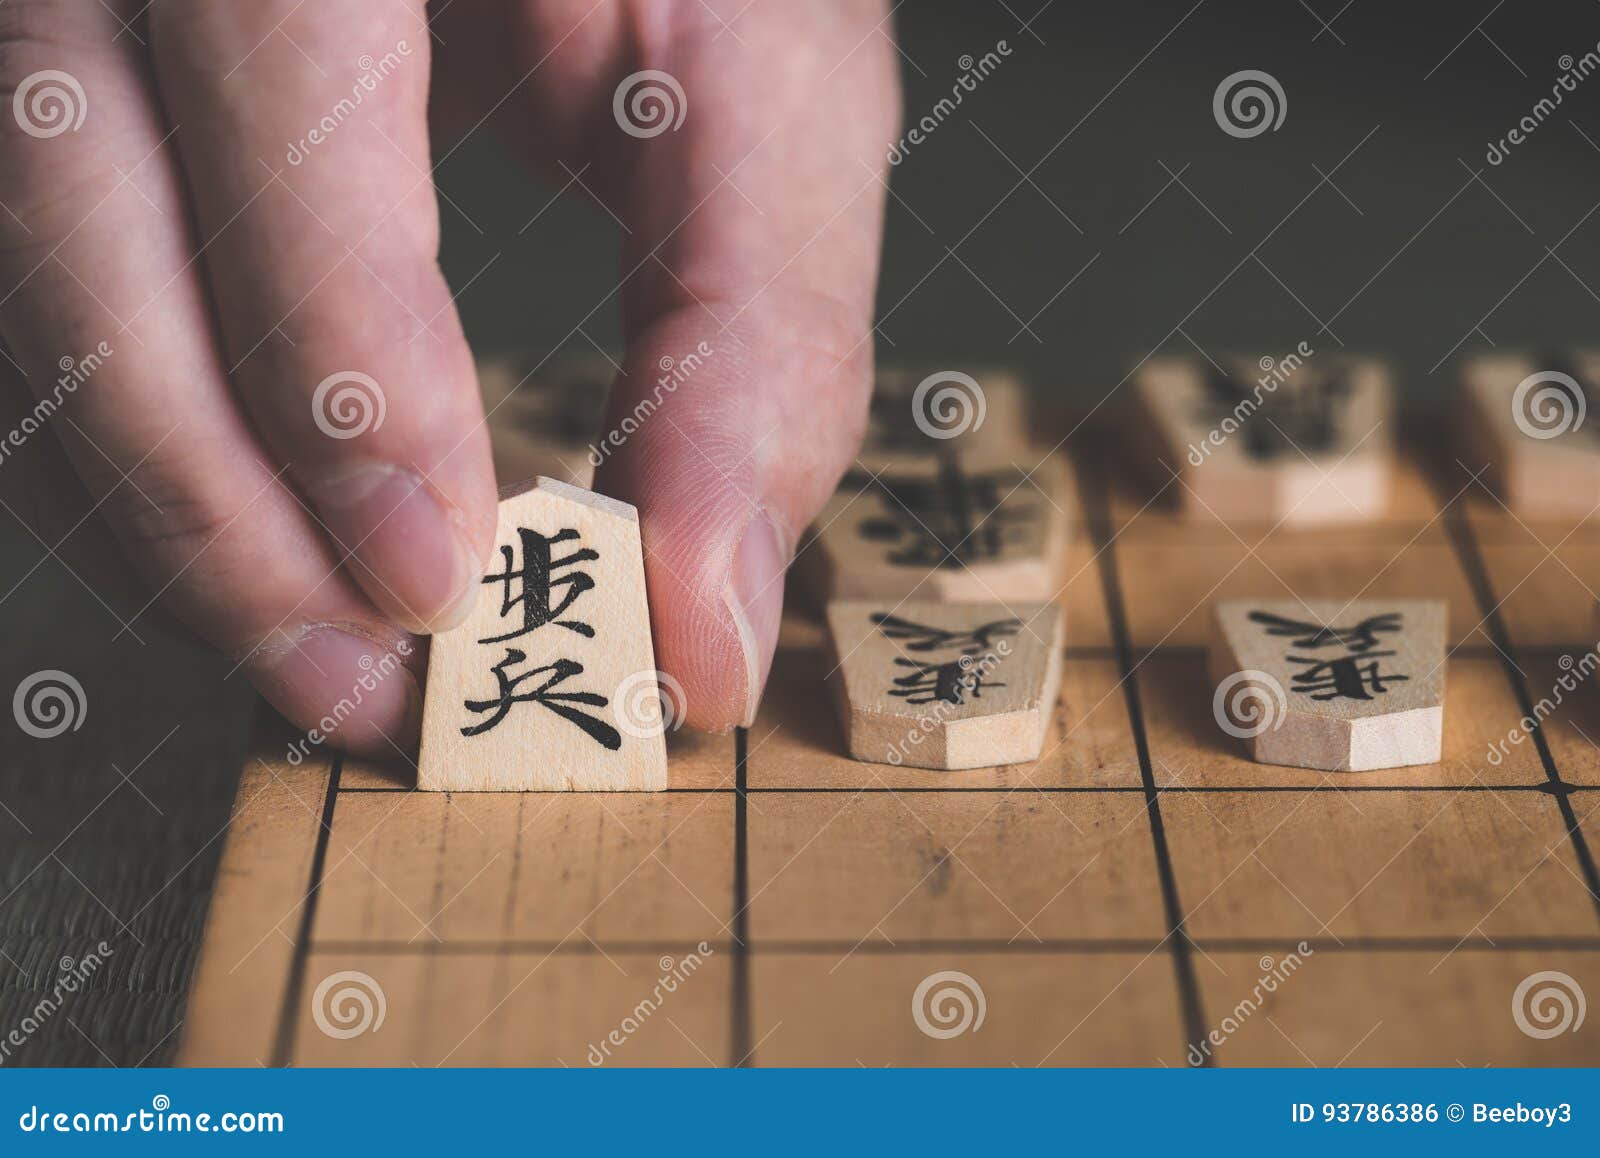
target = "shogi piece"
x: 545, y: 415
x: 1340, y: 686
x: 1527, y: 424
x: 922, y: 410
x: 1301, y: 442
x: 945, y: 685
x: 548, y: 684
x: 950, y: 528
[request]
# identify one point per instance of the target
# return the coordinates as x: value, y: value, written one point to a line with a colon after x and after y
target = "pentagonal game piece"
x: 1524, y: 429
x: 950, y: 528
x: 945, y: 685
x: 1301, y: 440
x: 922, y: 410
x: 551, y: 681
x: 1341, y: 686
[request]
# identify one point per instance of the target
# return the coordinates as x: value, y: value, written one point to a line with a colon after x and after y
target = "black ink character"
x: 919, y: 637
x: 949, y: 682
x: 538, y: 578
x: 950, y: 520
x: 1363, y: 637
x: 1349, y: 677
x: 1295, y: 418
x: 562, y: 704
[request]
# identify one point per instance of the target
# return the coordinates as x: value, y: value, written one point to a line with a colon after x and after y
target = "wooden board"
x: 1116, y: 902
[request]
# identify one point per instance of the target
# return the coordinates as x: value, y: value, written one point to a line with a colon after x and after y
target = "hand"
x: 204, y: 263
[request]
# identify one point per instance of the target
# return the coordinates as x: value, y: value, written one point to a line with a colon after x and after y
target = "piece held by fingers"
x: 945, y: 685
x: 551, y: 683
x: 1522, y: 429
x: 1342, y: 686
x: 1301, y: 440
x: 953, y: 527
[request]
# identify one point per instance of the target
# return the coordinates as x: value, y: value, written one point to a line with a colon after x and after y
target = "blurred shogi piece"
x: 1335, y: 685
x: 545, y: 414
x: 945, y: 685
x: 1524, y: 423
x: 1296, y: 441
x: 918, y: 410
x: 954, y: 527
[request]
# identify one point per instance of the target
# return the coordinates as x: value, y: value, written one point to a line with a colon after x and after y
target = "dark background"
x: 1059, y: 167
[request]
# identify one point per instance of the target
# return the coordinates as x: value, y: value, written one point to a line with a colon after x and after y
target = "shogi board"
x: 1118, y: 902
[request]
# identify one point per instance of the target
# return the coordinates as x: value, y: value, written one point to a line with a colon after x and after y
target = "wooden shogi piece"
x: 1523, y: 422
x: 1328, y: 684
x: 1303, y: 444
x: 945, y: 685
x: 544, y: 419
x: 953, y: 528
x: 550, y: 684
x: 982, y: 410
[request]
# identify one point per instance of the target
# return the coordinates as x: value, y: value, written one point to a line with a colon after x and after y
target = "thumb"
x: 750, y: 272
x: 729, y: 440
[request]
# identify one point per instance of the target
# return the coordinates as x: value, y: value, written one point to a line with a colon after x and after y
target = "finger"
x: 755, y: 231
x: 95, y: 267
x: 337, y: 324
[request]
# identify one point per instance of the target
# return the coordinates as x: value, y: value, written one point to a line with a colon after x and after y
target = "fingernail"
x: 755, y: 596
x: 355, y: 692
x: 411, y: 554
